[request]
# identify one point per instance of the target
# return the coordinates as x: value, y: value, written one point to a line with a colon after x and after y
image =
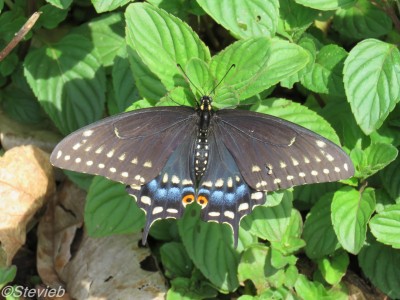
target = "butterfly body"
x: 226, y: 160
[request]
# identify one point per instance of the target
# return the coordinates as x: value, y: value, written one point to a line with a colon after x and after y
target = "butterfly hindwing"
x: 223, y: 194
x: 131, y: 148
x: 272, y: 153
x: 166, y: 195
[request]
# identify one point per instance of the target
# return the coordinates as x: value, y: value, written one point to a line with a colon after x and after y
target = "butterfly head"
x: 205, y: 103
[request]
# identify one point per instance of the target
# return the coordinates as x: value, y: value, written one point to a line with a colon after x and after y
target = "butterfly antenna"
x: 188, y: 79
x: 222, y: 79
x: 169, y: 97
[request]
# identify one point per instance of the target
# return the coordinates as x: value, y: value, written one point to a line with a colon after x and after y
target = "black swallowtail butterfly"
x: 226, y: 160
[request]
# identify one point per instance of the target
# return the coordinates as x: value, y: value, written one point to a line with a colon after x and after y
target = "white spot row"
x: 313, y: 172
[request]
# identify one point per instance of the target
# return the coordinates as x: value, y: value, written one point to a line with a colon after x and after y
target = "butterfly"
x: 225, y: 160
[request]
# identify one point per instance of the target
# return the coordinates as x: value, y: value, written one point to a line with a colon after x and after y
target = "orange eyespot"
x: 187, y: 199
x: 203, y: 201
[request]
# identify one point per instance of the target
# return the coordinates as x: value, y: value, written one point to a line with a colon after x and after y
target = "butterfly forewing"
x: 131, y: 148
x: 272, y: 153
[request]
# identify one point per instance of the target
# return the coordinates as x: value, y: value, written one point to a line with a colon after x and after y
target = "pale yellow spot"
x: 243, y: 206
x: 157, y: 210
x: 229, y: 214
x: 110, y: 153
x: 147, y: 164
x: 219, y: 183
x: 99, y: 150
x: 88, y: 133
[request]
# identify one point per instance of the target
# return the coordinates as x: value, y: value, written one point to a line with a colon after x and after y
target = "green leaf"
x: 372, y: 159
x: 186, y: 289
x: 177, y: 96
x: 380, y: 264
x: 345, y: 126
x: 63, y: 4
x: 314, y: 290
x: 9, y: 64
x: 179, y: 8
x: 175, y: 260
x: 334, y: 267
x: 371, y: 79
x: 281, y: 293
x: 307, y: 195
x: 10, y: 22
x: 110, y: 210
x: 351, y: 211
x: 19, y: 102
x: 270, y: 223
x: 298, y: 114
x: 385, y: 226
x: 162, y: 41
x: 147, y: 83
x: 107, y: 34
x: 291, y: 241
x: 362, y: 20
x: 210, y: 246
x: 165, y: 230
x: 279, y: 260
x: 7, y: 274
x: 69, y: 82
x: 125, y: 91
x: 201, y: 79
x: 294, y: 18
x: 103, y: 6
x: 51, y: 16
x: 80, y: 179
x: 308, y: 45
x: 244, y: 18
x: 326, y: 4
x: 318, y: 229
x: 253, y: 266
x: 326, y: 76
x: 257, y: 70
x: 390, y: 177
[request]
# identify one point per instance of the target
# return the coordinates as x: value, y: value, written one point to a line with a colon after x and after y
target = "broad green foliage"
x: 371, y: 78
x: 69, y: 82
x: 332, y: 66
x: 244, y: 18
x: 110, y: 210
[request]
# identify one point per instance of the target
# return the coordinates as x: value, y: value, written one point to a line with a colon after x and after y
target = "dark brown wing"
x: 272, y: 153
x: 131, y: 148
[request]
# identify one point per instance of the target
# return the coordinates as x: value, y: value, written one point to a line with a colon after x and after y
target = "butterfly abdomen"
x: 201, y: 153
x: 201, y: 146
